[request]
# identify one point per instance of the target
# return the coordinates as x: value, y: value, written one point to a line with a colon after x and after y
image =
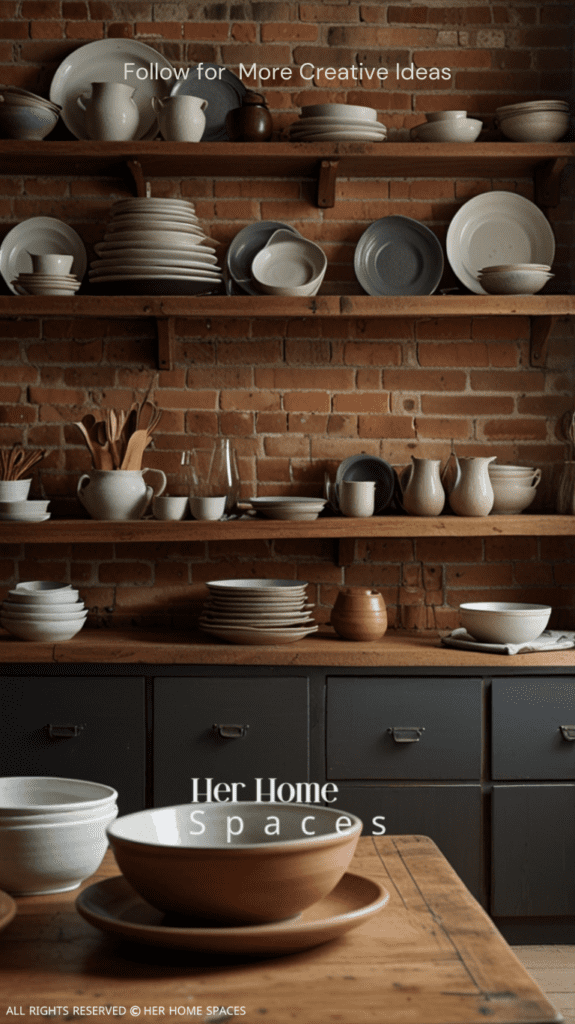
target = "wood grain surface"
x: 431, y: 957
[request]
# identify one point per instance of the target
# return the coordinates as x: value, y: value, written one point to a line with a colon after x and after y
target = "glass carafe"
x: 223, y: 476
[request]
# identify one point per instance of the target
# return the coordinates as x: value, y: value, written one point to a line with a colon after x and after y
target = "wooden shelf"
x: 192, y: 647
x: 61, y: 531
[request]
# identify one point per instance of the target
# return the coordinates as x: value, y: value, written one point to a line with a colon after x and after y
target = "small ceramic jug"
x: 252, y: 122
x: 421, y: 487
x: 472, y: 493
x: 111, y: 114
x: 118, y: 493
x: 181, y: 118
x: 359, y: 613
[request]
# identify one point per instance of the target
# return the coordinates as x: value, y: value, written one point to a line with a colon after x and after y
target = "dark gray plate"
x: 398, y: 256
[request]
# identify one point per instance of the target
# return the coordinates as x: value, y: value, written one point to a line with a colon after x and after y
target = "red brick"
x: 237, y: 424
x: 375, y: 402
x: 327, y: 379
x: 161, y: 29
x: 468, y: 405
x: 366, y: 36
x: 244, y: 32
x: 424, y: 380
x: 179, y: 399
x: 249, y: 400
x: 372, y: 354
x: 264, y: 56
x: 330, y: 13
x: 511, y: 380
x: 386, y: 426
x: 209, y: 31
x: 307, y: 423
x: 46, y: 30
x: 14, y: 30
x: 292, y: 32
x: 40, y: 9
x: 452, y: 354
x: 515, y: 429
x: 457, y: 429
x: 84, y: 30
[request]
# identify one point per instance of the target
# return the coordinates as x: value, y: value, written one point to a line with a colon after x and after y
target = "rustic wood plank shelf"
x: 63, y: 531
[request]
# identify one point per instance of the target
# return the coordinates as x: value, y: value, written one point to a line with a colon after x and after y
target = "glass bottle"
x: 223, y: 476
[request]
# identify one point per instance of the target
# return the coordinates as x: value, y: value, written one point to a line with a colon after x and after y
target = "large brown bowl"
x: 251, y: 879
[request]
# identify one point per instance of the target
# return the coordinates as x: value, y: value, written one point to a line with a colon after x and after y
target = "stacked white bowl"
x: 535, y: 121
x: 337, y: 122
x: 514, y: 488
x: 43, y: 611
x: 514, y: 278
x: 156, y: 242
x: 52, y: 832
x: 447, y: 126
x: 258, y: 611
x: 24, y: 115
x: 24, y: 511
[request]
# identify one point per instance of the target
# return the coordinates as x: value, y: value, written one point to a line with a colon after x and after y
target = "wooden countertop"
x: 432, y: 956
x: 165, y: 647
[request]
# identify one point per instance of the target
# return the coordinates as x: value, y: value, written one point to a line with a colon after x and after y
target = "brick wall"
x: 298, y: 396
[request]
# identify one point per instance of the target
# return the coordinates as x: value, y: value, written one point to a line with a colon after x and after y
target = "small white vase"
x: 421, y: 486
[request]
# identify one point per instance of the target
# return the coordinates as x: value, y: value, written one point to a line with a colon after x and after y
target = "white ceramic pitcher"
x: 111, y: 114
x: 421, y: 487
x: 472, y: 493
x: 118, y: 493
x: 181, y: 118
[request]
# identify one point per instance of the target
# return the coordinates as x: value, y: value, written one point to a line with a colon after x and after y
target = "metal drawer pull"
x: 63, y: 731
x: 231, y: 732
x: 406, y: 733
x: 568, y: 732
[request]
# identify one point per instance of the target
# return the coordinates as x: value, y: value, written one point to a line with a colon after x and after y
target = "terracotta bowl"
x: 233, y: 872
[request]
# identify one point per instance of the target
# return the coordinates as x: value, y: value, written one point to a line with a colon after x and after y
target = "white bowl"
x: 47, y: 588
x: 446, y: 115
x: 42, y: 632
x: 44, y: 600
x: 14, y: 490
x: 291, y: 267
x: 51, y: 263
x: 503, y: 622
x: 345, y: 111
x: 45, y: 794
x: 536, y: 126
x: 511, y: 500
x: 50, y: 615
x: 458, y: 129
x: 25, y: 507
x: 52, y: 857
x: 514, y: 282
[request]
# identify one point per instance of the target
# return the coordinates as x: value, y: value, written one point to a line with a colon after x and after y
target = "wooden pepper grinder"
x: 252, y: 122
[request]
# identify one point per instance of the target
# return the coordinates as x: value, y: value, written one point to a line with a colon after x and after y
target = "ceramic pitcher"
x: 111, y: 114
x: 118, y: 493
x: 421, y: 487
x: 472, y: 493
x: 181, y: 118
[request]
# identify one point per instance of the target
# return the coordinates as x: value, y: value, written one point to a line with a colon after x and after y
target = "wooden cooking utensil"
x: 137, y: 444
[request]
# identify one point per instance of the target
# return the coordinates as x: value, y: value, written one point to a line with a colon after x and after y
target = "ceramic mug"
x: 51, y: 263
x: 172, y: 507
x: 207, y: 508
x: 357, y: 498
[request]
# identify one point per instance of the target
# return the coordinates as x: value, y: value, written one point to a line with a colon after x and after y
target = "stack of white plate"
x: 258, y: 611
x: 155, y: 246
x: 42, y: 610
x: 46, y: 284
x: 337, y: 122
x: 289, y: 508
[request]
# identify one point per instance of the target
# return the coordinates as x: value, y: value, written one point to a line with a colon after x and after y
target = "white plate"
x: 129, y: 276
x: 493, y: 228
x: 157, y: 264
x: 224, y: 92
x: 251, y: 635
x: 103, y: 61
x: 149, y: 221
x: 137, y: 249
x: 149, y: 202
x: 175, y: 239
x: 336, y: 122
x: 41, y: 235
x: 342, y: 136
x: 7, y: 517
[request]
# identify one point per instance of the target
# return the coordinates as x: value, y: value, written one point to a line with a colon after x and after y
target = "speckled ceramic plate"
x: 398, y: 256
x: 114, y: 907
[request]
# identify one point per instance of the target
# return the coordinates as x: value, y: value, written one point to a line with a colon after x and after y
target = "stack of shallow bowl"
x: 52, y: 832
x: 155, y: 246
x: 337, y: 122
x: 535, y: 121
x: 447, y: 126
x: 514, y: 278
x: 42, y: 610
x: 514, y: 488
x: 23, y: 115
x: 289, y: 508
x: 258, y: 611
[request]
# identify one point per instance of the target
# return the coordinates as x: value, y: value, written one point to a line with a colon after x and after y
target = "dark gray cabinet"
x: 229, y: 730
x: 80, y: 728
x: 533, y: 728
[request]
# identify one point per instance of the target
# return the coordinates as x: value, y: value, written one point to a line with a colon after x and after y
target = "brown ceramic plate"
x: 113, y: 906
x: 7, y: 909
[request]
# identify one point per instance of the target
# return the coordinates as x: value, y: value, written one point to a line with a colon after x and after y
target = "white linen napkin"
x: 549, y: 640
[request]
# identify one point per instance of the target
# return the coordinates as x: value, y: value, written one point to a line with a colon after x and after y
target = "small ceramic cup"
x: 357, y: 498
x: 51, y: 263
x: 14, y: 490
x: 170, y: 507
x: 207, y: 508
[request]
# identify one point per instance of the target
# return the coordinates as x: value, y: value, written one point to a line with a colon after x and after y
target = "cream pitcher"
x: 111, y: 114
x: 472, y: 493
x: 421, y: 487
x: 119, y: 493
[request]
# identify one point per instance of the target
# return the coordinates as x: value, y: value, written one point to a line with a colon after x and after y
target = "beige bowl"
x: 535, y: 126
x: 511, y: 499
x: 457, y: 129
x: 232, y: 872
x: 40, y: 795
x: 514, y: 282
x: 445, y: 115
x: 504, y: 622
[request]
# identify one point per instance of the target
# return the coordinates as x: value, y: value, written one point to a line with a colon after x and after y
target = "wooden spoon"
x: 91, y: 448
x: 137, y: 444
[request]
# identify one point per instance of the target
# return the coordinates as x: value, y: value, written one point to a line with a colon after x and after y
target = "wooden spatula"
x: 137, y: 444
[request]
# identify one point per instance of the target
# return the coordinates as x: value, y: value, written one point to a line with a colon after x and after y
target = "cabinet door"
x: 533, y: 851
x: 528, y: 741
x: 82, y: 728
x: 373, y: 723
x: 228, y: 730
x: 450, y: 815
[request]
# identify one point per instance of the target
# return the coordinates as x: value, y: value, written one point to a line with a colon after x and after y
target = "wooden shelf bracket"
x: 541, y: 327
x: 326, y: 182
x: 166, y: 342
x: 548, y: 182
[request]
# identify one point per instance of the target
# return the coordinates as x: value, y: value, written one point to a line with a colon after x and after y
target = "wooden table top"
x: 432, y: 956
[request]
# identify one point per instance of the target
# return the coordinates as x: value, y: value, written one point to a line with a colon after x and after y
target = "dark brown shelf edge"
x: 138, y: 531
x: 181, y: 306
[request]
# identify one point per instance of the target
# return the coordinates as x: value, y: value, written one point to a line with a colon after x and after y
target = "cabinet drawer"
x: 450, y: 815
x: 372, y: 723
x: 272, y: 712
x: 527, y: 715
x: 77, y: 728
x: 533, y: 850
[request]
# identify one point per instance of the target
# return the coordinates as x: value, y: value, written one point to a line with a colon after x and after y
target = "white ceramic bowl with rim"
x: 42, y: 632
x: 25, y: 506
x: 291, y: 267
x: 504, y: 622
x: 25, y: 121
x: 345, y: 111
x: 49, y: 794
x: 512, y: 498
x: 457, y: 129
x: 514, y: 282
x: 43, y: 599
x: 49, y: 615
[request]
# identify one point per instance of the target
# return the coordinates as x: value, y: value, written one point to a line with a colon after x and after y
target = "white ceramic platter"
x: 103, y: 61
x: 133, y: 274
x: 398, y: 256
x: 223, y: 90
x: 494, y: 228
x: 40, y: 235
x: 149, y: 222
x: 245, y: 246
x: 250, y: 635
